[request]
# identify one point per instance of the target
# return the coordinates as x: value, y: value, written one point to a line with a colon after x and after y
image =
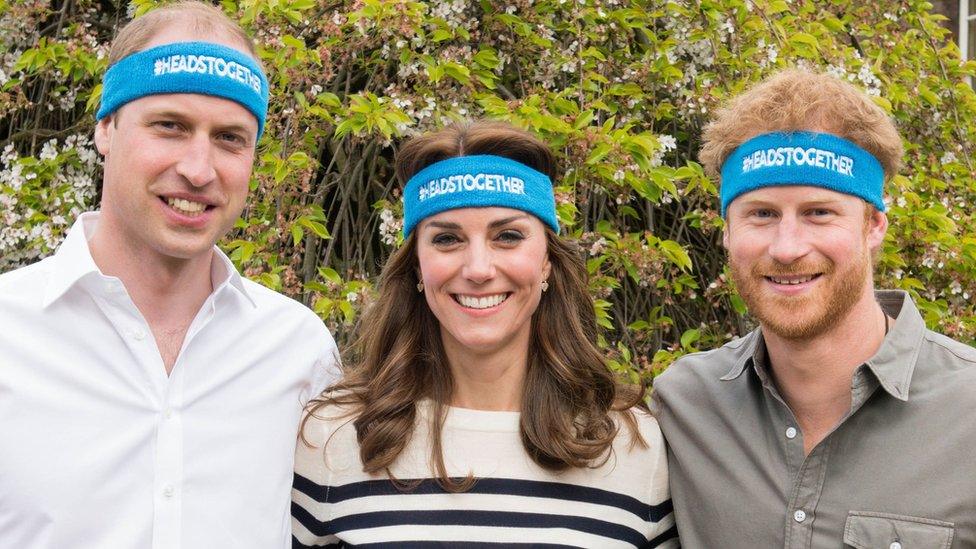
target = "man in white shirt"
x: 149, y: 395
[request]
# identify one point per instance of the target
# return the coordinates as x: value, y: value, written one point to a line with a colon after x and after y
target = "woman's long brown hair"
x: 398, y: 359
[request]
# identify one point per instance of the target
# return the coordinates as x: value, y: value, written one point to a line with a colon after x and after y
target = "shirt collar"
x: 893, y: 363
x: 752, y: 349
x: 73, y: 262
x: 223, y: 272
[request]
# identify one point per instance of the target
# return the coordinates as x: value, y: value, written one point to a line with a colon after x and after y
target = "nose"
x: 196, y: 164
x: 479, y: 266
x: 790, y: 241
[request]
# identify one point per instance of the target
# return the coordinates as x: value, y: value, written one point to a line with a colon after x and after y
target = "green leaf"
x: 690, y: 337
x: 777, y: 6
x: 487, y: 58
x: 330, y: 274
x: 347, y: 311
x: 314, y: 226
x: 674, y: 252
x: 598, y: 153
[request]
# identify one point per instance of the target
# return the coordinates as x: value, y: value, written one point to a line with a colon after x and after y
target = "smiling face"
x: 801, y: 256
x: 177, y: 168
x: 483, y: 269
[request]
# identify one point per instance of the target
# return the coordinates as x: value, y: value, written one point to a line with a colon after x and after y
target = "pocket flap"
x: 866, y: 530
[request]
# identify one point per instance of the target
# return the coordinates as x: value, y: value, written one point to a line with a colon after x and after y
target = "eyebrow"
x: 505, y: 221
x: 167, y: 113
x: 812, y: 203
x: 494, y: 224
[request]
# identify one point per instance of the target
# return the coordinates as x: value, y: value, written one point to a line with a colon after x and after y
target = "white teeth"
x: 186, y: 207
x: 791, y: 282
x: 480, y: 302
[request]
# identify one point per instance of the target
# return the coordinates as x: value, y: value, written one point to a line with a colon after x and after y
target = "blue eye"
x: 232, y: 139
x: 167, y: 125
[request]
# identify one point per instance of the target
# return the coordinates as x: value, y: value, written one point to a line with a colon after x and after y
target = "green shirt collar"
x: 892, y: 365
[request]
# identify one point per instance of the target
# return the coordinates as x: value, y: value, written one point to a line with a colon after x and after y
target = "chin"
x: 184, y: 252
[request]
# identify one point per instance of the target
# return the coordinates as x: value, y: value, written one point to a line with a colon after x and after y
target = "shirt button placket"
x: 169, y: 472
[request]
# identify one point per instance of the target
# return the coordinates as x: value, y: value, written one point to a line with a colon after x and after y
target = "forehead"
x: 794, y: 195
x: 473, y: 218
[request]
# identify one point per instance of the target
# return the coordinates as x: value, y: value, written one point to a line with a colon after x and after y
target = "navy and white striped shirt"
x: 514, y: 503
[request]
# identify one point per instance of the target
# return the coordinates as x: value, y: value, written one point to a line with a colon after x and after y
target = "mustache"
x: 767, y: 268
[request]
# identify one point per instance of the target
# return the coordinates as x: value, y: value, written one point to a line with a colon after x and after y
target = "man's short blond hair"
x: 800, y: 100
x: 204, y: 19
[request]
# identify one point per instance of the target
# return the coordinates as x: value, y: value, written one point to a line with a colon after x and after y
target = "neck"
x: 814, y: 375
x: 489, y: 380
x: 167, y: 291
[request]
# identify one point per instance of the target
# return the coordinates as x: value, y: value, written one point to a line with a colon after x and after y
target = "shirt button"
x: 168, y: 492
x: 799, y: 515
x: 168, y: 414
x: 894, y: 545
x: 138, y: 335
x: 791, y: 433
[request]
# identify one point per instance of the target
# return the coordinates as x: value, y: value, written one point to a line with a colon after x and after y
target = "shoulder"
x: 29, y: 279
x: 269, y: 300
x: 947, y: 368
x: 284, y: 312
x: 949, y: 349
x: 640, y: 465
x: 647, y: 426
x: 321, y: 422
x: 691, y: 372
x: 646, y: 444
x: 331, y: 426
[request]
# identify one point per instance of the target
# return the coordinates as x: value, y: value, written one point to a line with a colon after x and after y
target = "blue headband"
x: 476, y: 182
x: 187, y: 67
x: 802, y: 158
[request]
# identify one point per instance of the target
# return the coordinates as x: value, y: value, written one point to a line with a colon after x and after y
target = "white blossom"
x: 390, y: 226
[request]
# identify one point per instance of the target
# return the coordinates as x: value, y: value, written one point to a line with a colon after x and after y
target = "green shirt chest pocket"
x: 866, y: 530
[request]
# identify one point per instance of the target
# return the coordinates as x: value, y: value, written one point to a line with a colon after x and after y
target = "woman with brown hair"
x: 476, y: 409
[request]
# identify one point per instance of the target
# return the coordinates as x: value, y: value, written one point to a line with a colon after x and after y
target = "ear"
x: 103, y: 134
x: 546, y: 269
x: 877, y: 227
x: 725, y: 235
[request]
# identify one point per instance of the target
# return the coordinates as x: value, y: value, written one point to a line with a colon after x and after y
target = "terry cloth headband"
x: 476, y: 182
x: 187, y: 67
x: 802, y: 158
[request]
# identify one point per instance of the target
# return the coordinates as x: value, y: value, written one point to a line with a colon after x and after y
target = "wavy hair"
x: 797, y: 100
x: 570, y: 396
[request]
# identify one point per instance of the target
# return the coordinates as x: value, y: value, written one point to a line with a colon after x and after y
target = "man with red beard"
x: 841, y: 421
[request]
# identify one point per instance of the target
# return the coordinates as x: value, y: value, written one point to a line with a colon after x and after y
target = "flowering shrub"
x: 620, y: 89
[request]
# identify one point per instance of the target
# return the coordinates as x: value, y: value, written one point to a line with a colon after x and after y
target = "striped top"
x: 515, y: 503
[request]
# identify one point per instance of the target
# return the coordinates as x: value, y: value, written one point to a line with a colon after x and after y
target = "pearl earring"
x: 545, y: 285
x: 420, y: 287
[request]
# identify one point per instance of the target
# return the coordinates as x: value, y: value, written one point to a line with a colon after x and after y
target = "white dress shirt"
x: 100, y: 448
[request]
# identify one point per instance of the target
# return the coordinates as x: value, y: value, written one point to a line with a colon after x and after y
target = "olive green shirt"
x: 898, y: 471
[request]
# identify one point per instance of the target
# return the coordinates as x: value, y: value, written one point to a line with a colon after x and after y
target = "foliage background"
x: 621, y: 89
